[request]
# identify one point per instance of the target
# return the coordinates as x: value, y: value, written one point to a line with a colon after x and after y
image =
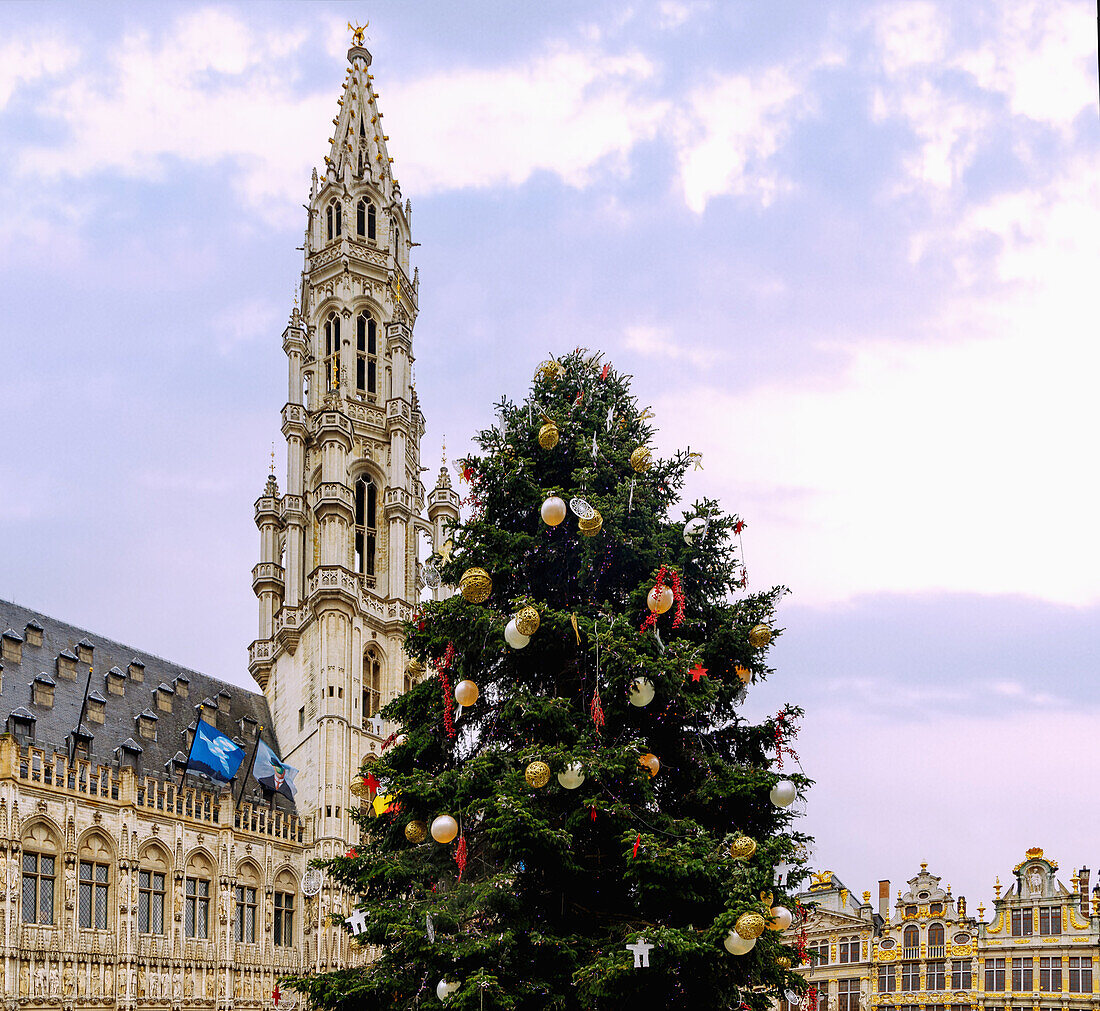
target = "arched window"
x: 365, y: 218
x: 244, y: 912
x: 283, y: 927
x: 935, y: 940
x: 332, y: 351
x: 372, y: 227
x: 153, y: 871
x: 372, y: 684
x: 40, y: 850
x: 911, y: 940
x: 366, y: 354
x: 196, y: 897
x: 333, y: 220
x: 366, y: 525
x: 94, y: 883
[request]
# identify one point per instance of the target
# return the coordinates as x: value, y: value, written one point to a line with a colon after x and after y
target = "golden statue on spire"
x: 357, y: 32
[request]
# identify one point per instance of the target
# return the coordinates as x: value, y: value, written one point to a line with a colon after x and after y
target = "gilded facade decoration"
x: 1039, y: 949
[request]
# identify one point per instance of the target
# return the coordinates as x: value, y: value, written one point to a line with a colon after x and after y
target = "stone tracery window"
x: 94, y: 883
x: 244, y: 912
x: 372, y: 684
x: 40, y: 848
x: 366, y: 525
x: 333, y: 220
x: 283, y: 926
x: 332, y: 350
x: 366, y: 354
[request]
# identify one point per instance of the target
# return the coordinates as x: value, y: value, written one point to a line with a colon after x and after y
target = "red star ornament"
x: 697, y: 672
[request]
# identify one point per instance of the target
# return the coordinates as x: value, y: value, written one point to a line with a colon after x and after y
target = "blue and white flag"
x: 277, y: 776
x: 213, y: 754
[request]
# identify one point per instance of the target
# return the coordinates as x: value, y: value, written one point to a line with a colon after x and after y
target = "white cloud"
x: 25, y: 60
x: 959, y: 463
x: 1042, y: 56
x: 244, y: 322
x: 660, y: 341
x: 568, y: 111
x: 729, y: 131
x: 672, y: 14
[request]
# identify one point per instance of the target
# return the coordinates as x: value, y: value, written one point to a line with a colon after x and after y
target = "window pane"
x: 45, y: 900
x: 30, y: 861
x: 189, y: 916
x: 30, y: 912
x: 101, y: 873
x: 101, y: 905
x: 158, y: 913
x: 143, y: 913
x: 47, y: 865
x: 203, y: 911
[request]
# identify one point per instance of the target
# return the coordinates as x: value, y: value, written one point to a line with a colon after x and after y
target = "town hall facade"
x: 131, y: 885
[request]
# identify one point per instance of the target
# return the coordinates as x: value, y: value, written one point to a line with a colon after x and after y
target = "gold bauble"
x: 466, y: 693
x: 476, y: 584
x: 537, y: 774
x: 549, y: 435
x: 641, y: 458
x: 527, y: 621
x: 742, y: 847
x: 416, y: 831
x: 749, y: 925
x: 415, y: 669
x: 658, y: 603
x: 650, y: 763
x: 759, y: 635
x: 358, y: 787
x: 591, y: 525
x: 783, y: 962
x: 550, y: 369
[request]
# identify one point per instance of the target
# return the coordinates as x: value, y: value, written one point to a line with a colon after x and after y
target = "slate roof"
x: 243, y: 711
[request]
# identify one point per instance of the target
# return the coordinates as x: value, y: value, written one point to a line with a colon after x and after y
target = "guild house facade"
x: 130, y: 885
x: 1036, y: 951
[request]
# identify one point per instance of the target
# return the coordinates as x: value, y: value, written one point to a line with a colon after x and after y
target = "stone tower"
x: 339, y: 569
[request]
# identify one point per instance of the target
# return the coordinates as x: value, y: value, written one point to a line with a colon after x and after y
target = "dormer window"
x: 136, y: 671
x: 84, y: 651
x: 33, y: 632
x: 97, y: 708
x: 147, y: 725
x: 366, y: 355
x: 183, y: 686
x: 81, y: 739
x: 332, y: 351
x: 11, y: 646
x: 223, y: 700
x: 42, y: 690
x: 935, y: 909
x: 116, y: 681
x: 164, y: 698
x: 21, y: 725
x: 333, y: 220
x: 66, y: 665
x: 128, y: 753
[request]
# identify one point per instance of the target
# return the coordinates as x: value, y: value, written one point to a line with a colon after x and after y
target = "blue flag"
x: 213, y: 754
x: 275, y: 775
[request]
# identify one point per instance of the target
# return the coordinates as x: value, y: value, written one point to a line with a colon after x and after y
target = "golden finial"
x: 357, y: 32
x: 443, y: 456
x: 273, y: 456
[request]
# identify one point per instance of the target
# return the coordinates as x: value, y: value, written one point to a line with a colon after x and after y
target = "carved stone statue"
x: 1035, y: 881
x: 70, y: 981
x: 24, y: 979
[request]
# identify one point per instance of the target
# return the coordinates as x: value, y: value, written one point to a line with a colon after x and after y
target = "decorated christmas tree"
x: 573, y: 813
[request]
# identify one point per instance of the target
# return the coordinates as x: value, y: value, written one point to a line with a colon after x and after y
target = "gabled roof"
x: 11, y: 633
x: 53, y: 727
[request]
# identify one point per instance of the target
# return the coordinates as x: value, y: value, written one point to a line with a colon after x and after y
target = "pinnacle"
x: 357, y: 146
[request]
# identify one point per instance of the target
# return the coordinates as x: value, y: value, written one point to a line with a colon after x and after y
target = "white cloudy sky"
x: 848, y: 250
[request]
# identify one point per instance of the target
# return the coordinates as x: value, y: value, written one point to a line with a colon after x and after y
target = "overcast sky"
x: 850, y: 252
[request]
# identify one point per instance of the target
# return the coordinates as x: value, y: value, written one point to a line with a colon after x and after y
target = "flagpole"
x: 252, y: 758
x: 189, y: 750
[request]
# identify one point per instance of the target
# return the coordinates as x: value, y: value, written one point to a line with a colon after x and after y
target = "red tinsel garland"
x: 460, y: 855
x: 651, y: 620
x: 784, y: 726
x: 813, y: 998
x: 597, y: 709
x: 443, y: 666
x: 678, y: 596
x: 637, y: 843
